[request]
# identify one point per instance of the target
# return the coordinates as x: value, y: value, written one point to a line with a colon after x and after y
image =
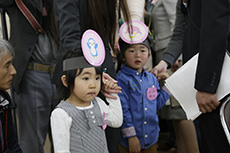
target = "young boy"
x: 141, y: 95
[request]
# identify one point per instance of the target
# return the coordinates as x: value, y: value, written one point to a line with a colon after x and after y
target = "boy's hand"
x: 163, y: 76
x: 134, y: 145
x: 109, y: 86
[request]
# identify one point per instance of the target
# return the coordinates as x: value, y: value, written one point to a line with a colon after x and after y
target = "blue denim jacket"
x: 141, y: 97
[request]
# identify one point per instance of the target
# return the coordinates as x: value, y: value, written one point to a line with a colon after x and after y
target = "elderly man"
x: 8, y: 138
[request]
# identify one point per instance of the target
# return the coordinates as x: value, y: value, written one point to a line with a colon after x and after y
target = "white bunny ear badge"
x: 93, y: 48
x: 133, y: 32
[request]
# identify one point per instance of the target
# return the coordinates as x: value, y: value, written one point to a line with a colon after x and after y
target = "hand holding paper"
x: 181, y: 85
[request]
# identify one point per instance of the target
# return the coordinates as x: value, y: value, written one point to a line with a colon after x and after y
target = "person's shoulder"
x: 121, y: 74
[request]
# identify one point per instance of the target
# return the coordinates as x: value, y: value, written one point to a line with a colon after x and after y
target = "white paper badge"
x: 137, y: 34
x: 93, y: 48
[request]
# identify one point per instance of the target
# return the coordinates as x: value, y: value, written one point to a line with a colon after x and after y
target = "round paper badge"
x: 152, y: 93
x: 93, y: 48
x: 134, y: 32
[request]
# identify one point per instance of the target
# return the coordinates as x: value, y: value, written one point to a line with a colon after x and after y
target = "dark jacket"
x: 71, y: 19
x: 205, y: 31
x: 10, y: 144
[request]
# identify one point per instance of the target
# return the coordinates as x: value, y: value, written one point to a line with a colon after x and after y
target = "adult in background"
x: 201, y: 36
x: 73, y: 18
x: 163, y: 20
x: 35, y: 59
x: 8, y: 136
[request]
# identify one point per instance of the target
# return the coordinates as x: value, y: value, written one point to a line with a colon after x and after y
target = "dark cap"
x: 123, y: 45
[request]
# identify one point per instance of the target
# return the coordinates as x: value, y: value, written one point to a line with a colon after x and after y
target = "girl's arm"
x: 113, y: 111
x: 60, y: 128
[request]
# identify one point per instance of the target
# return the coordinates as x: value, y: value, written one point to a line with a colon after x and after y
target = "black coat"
x: 202, y: 27
x: 207, y: 33
x: 9, y: 131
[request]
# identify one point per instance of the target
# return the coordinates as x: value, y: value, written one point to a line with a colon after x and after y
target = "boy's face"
x: 136, y: 56
x: 86, y: 87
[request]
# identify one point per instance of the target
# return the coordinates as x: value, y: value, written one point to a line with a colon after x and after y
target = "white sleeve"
x: 113, y: 111
x: 136, y: 8
x: 60, y: 128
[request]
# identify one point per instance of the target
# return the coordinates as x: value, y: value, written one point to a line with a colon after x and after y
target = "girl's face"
x: 136, y: 56
x: 86, y: 87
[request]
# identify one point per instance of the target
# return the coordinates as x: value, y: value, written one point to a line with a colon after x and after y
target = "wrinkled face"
x: 86, y: 86
x: 7, y: 71
x: 136, y: 56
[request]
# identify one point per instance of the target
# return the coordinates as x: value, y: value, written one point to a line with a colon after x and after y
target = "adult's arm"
x: 136, y: 8
x: 67, y: 20
x: 174, y: 48
x: 213, y: 36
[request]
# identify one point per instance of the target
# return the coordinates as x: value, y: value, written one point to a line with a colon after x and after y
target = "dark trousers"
x: 212, y: 134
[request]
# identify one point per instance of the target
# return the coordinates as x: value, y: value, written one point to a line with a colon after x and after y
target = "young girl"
x: 79, y: 120
x: 141, y: 95
x: 73, y: 17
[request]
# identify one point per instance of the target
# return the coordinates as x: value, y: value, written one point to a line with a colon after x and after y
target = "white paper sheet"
x: 181, y: 85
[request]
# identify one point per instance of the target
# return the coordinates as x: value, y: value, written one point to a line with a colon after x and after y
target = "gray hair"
x: 6, y: 47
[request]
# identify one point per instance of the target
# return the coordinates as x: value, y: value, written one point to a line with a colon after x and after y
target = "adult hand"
x: 110, y: 86
x: 134, y: 145
x: 160, y: 68
x: 207, y: 102
x: 175, y: 66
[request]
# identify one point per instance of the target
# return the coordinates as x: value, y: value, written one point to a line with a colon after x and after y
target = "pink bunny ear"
x: 105, y: 125
x: 154, y: 1
x: 94, y: 55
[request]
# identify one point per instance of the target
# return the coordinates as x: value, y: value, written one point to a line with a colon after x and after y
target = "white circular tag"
x: 138, y: 32
x: 93, y: 48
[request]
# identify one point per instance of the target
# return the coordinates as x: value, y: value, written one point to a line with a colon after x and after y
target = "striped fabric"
x: 86, y: 133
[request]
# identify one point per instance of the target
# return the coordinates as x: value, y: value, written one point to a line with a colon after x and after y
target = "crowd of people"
x: 90, y: 74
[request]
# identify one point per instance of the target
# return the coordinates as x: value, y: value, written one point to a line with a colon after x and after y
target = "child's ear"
x: 149, y: 54
x: 63, y: 80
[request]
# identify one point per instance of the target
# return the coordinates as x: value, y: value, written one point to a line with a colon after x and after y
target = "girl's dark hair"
x: 64, y: 92
x: 103, y: 17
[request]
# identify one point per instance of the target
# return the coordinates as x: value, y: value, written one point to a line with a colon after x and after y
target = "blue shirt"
x: 141, y: 97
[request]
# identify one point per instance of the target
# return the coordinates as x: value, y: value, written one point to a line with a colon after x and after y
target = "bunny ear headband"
x: 134, y: 32
x: 93, y: 50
